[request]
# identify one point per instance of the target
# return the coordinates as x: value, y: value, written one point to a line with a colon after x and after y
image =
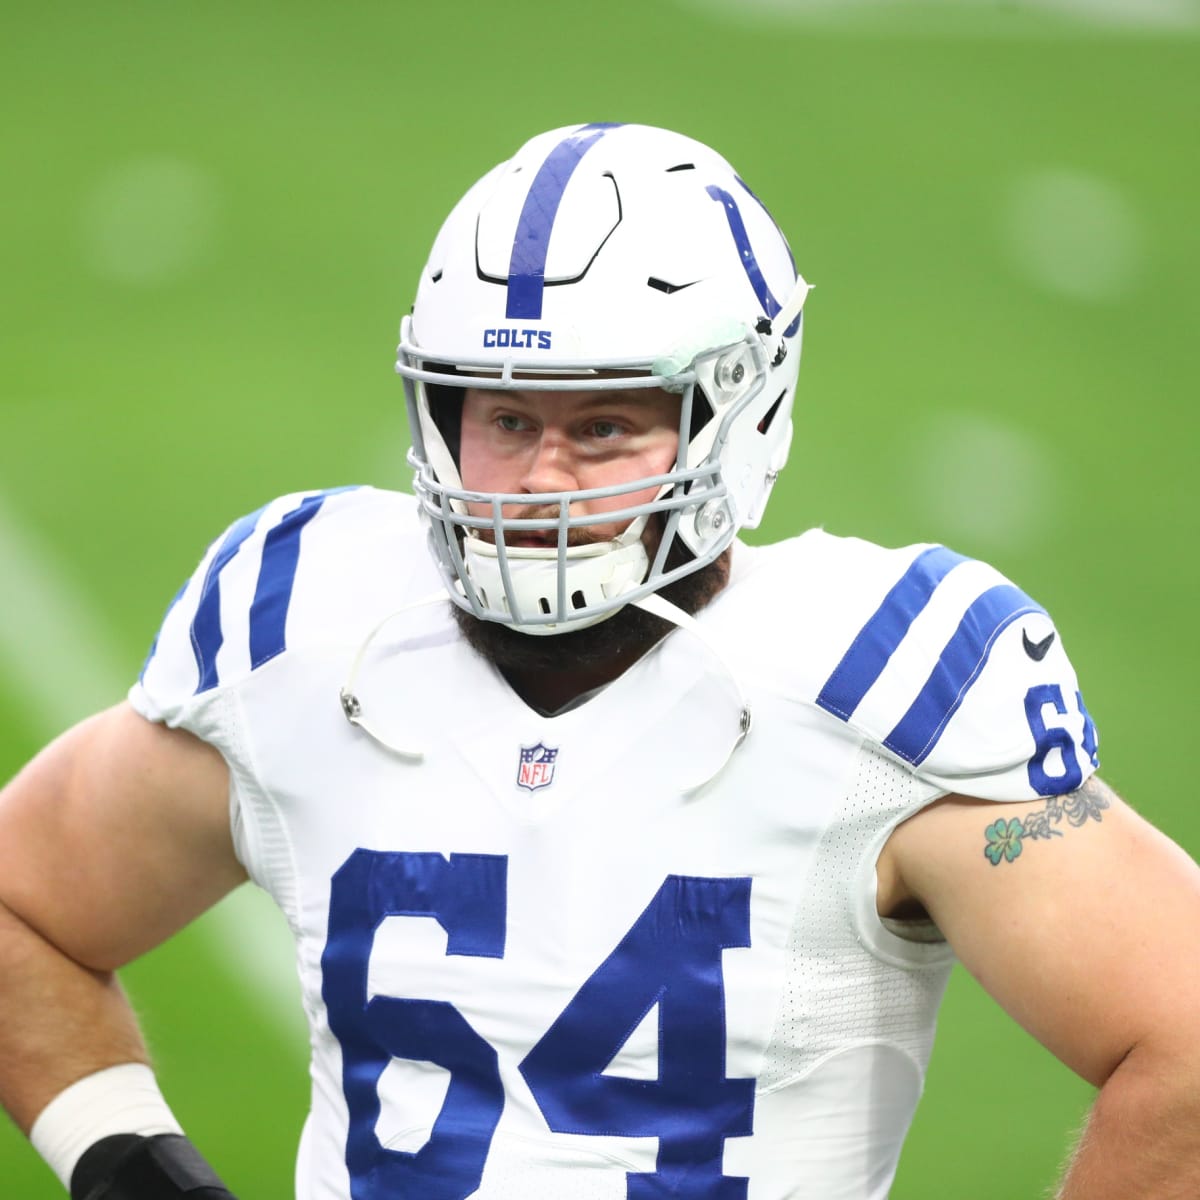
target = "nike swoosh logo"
x: 1037, y: 650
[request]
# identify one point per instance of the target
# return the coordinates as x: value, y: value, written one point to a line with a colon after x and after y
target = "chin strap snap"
x: 352, y: 707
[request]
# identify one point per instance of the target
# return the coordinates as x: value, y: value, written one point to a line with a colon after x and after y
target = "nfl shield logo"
x: 536, y: 768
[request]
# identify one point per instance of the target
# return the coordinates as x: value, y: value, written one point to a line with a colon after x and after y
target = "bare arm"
x: 114, y: 837
x: 1088, y: 934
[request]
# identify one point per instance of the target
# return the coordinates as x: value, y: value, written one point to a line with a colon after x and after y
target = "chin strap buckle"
x: 783, y: 320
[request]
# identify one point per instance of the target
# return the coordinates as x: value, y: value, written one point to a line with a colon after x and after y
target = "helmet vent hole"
x: 577, y: 600
x: 436, y: 276
x: 544, y: 605
x: 661, y: 285
x: 769, y: 416
x: 681, y: 167
x: 702, y: 412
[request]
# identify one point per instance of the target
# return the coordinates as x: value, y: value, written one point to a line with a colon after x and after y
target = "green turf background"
x: 138, y: 418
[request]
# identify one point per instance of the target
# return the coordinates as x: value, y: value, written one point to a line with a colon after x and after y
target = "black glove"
x: 128, y: 1166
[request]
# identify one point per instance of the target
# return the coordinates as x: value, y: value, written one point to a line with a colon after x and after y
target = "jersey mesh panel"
x: 836, y: 992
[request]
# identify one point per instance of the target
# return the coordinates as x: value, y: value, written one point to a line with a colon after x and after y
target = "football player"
x: 623, y: 860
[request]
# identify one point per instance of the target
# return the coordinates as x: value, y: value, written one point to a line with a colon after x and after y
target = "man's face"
x: 534, y: 442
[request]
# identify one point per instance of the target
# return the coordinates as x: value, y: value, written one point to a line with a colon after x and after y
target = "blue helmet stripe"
x: 787, y: 245
x: 527, y: 266
x: 741, y: 238
x: 876, y: 642
x: 961, y: 661
x: 207, y: 636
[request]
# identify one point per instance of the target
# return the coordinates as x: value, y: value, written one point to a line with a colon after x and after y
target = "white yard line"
x: 56, y: 659
x: 59, y: 663
x: 928, y: 16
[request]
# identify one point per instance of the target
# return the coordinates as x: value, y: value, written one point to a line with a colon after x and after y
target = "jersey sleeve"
x: 231, y: 616
x: 962, y: 676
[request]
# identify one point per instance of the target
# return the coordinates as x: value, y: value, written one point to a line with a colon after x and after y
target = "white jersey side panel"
x: 573, y: 955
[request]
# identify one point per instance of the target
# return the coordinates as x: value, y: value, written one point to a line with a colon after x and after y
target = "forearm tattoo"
x: 1006, y: 836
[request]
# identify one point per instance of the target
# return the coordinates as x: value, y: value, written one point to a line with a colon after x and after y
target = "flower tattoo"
x: 1006, y: 837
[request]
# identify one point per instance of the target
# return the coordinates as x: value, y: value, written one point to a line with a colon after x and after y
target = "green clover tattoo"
x: 1004, y: 840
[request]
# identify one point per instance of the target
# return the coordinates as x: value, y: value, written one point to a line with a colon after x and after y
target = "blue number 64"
x: 670, y: 958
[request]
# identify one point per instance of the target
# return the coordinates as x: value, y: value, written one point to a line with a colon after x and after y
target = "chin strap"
x: 773, y: 331
x: 352, y: 706
x: 657, y: 606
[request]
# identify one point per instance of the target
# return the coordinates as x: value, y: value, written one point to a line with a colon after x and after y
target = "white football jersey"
x: 597, y: 955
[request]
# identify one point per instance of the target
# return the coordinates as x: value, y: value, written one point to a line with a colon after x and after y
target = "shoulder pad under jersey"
x: 961, y: 675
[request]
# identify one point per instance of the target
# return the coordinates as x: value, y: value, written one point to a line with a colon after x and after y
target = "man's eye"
x: 510, y: 423
x: 605, y: 429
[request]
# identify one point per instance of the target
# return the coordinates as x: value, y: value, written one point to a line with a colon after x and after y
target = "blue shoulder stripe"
x: 207, y: 635
x: 864, y: 661
x: 276, y: 578
x: 961, y: 661
x: 272, y: 594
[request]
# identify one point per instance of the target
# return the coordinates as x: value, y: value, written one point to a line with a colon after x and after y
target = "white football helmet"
x: 604, y: 256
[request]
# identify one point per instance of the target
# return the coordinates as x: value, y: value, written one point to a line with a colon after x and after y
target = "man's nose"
x: 551, y: 465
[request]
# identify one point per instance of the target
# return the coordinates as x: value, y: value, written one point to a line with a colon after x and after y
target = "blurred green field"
x: 214, y: 216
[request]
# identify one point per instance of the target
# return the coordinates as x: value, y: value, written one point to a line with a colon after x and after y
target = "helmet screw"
x: 731, y: 370
x: 710, y: 520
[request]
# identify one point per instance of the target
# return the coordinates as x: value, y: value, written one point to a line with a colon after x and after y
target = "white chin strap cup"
x: 525, y: 583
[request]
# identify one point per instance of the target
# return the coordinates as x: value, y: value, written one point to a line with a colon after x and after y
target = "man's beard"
x: 629, y: 632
